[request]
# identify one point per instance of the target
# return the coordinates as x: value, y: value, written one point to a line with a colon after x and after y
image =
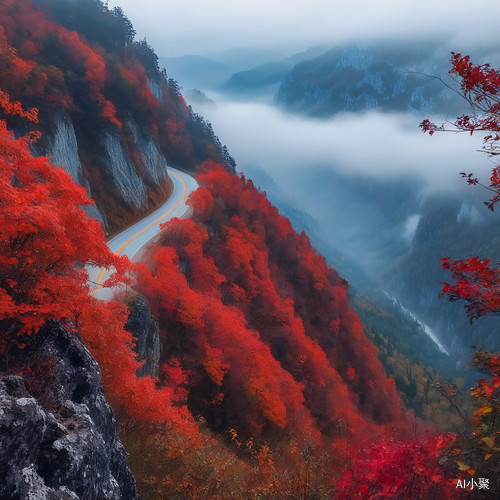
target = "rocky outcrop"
x: 57, y: 431
x: 152, y: 161
x: 156, y: 89
x: 121, y: 170
x: 61, y: 147
x: 144, y: 328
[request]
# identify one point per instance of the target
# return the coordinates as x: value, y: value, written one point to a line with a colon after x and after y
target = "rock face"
x: 153, y: 162
x: 62, y: 148
x: 57, y: 431
x: 131, y: 184
x: 121, y: 170
x: 144, y: 328
x: 156, y: 89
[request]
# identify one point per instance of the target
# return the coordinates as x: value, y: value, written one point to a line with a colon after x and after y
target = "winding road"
x: 130, y: 241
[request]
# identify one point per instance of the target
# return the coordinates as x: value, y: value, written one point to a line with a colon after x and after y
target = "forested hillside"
x: 260, y: 382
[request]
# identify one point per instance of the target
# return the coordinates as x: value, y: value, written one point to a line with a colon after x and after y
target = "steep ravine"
x: 459, y: 231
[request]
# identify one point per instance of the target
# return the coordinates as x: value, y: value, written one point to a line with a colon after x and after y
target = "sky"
x: 200, y: 27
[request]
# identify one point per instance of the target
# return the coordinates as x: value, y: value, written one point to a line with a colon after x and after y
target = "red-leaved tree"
x: 44, y: 234
x: 475, y: 281
x: 46, y: 241
x: 399, y: 470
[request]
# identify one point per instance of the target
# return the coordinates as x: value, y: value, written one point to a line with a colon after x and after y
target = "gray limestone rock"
x: 58, y: 440
x: 156, y: 89
x: 153, y: 162
x: 122, y: 170
x: 61, y: 147
x: 144, y: 328
x: 64, y: 148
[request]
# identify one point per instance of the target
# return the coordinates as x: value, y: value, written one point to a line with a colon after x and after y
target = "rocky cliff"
x: 58, y: 434
x: 131, y: 184
x: 144, y: 328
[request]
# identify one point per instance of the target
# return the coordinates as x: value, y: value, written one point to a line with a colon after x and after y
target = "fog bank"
x: 373, y: 144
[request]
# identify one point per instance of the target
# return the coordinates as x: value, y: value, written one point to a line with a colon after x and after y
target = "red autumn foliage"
x: 46, y: 240
x: 262, y: 323
x: 30, y: 72
x: 399, y: 470
x: 133, y: 71
x: 202, y: 203
x: 40, y: 242
x: 479, y: 85
x: 293, y: 297
x: 22, y: 23
x: 217, y: 343
x: 475, y: 281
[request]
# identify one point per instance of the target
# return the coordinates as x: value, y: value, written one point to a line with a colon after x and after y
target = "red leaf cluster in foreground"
x: 479, y: 85
x: 475, y: 281
x: 46, y: 239
x: 399, y: 470
x: 262, y: 323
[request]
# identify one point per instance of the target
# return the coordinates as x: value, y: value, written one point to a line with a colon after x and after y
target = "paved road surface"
x: 130, y: 241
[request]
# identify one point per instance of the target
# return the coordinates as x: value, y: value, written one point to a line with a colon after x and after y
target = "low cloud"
x: 410, y: 226
x: 374, y: 144
x: 364, y: 177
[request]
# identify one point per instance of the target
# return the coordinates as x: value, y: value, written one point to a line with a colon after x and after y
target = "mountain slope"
x: 357, y: 78
x: 265, y: 375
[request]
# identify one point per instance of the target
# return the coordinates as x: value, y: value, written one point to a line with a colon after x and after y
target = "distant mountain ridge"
x: 238, y: 71
x: 363, y: 77
x: 194, y: 71
x: 261, y: 77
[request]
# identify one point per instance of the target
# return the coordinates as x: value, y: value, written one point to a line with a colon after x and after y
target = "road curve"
x: 130, y: 241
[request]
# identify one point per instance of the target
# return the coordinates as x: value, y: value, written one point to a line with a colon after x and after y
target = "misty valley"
x: 383, y: 217
x: 250, y: 263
